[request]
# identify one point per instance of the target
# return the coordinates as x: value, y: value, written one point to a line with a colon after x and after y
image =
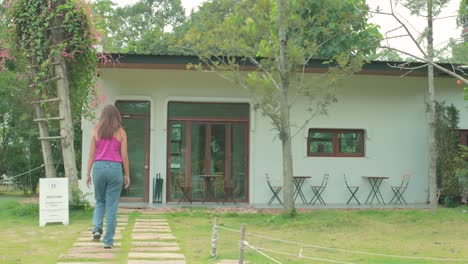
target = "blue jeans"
x: 108, y: 181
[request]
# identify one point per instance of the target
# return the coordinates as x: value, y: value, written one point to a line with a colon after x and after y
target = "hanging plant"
x: 34, y: 25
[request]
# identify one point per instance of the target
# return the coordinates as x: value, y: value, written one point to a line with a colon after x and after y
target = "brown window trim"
x: 335, y: 143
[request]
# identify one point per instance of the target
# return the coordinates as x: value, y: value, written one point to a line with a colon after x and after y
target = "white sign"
x: 53, y: 201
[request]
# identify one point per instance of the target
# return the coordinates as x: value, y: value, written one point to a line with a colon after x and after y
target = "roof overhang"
x: 180, y: 62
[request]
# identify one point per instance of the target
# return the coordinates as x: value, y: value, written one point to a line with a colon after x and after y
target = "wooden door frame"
x: 188, y: 139
x: 146, y: 182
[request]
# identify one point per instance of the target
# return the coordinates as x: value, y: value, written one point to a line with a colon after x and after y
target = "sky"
x: 444, y: 29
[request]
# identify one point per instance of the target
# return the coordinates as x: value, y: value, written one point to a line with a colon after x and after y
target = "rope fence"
x: 243, y: 243
x: 8, y: 181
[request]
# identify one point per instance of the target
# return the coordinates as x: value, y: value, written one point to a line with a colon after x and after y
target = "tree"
x: 448, y: 150
x: 276, y: 41
x: 142, y: 28
x: 429, y: 9
x: 54, y: 38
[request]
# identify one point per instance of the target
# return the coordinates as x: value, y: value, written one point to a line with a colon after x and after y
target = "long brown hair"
x: 109, y: 122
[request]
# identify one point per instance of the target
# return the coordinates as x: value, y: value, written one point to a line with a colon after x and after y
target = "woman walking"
x: 107, y: 154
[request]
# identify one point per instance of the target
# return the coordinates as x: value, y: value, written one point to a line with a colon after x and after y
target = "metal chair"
x: 229, y: 191
x: 275, y: 189
x: 318, y: 190
x: 399, y: 190
x: 185, y: 191
x: 353, y: 190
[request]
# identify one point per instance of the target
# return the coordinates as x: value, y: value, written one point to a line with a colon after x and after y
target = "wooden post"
x: 214, y: 239
x: 241, y: 244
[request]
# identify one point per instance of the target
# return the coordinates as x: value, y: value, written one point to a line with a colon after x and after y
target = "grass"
x: 23, y: 241
x: 415, y: 233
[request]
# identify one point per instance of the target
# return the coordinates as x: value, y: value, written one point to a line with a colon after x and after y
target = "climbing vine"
x: 45, y: 29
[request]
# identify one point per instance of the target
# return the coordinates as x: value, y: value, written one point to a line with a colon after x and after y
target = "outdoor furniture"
x: 228, y: 191
x: 400, y: 189
x: 352, y: 189
x: 298, y: 182
x: 318, y: 190
x: 209, y: 189
x: 275, y: 189
x: 185, y: 191
x: 7, y: 182
x: 375, y: 182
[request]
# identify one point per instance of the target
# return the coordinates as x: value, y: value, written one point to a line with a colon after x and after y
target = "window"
x: 335, y: 143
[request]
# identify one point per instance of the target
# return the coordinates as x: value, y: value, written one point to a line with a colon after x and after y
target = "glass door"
x: 136, y: 122
x: 217, y: 155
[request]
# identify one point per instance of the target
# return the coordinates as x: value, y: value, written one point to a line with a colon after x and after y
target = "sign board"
x: 53, y: 201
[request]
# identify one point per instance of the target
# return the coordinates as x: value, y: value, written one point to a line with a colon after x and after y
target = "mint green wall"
x: 390, y: 109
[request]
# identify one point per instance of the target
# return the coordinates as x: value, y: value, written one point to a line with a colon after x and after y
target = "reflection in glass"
x: 198, y: 159
x: 239, y: 160
x: 177, y: 159
x: 350, y: 142
x: 321, y: 142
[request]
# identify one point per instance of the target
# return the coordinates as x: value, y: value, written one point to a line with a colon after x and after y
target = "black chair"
x: 399, y: 190
x: 353, y: 190
x: 185, y: 191
x: 229, y: 191
x: 274, y: 189
x: 318, y: 190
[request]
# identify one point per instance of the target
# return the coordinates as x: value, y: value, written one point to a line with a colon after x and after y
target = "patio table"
x: 375, y: 182
x: 209, y: 180
x: 298, y: 182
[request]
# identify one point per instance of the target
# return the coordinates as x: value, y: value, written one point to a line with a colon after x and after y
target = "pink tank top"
x: 108, y: 149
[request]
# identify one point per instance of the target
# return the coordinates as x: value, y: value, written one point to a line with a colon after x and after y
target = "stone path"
x: 148, y: 240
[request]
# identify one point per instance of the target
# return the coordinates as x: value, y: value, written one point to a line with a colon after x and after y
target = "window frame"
x: 335, y: 142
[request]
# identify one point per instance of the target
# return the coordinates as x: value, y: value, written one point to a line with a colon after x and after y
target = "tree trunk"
x: 285, y: 130
x: 45, y: 144
x: 66, y: 125
x: 430, y: 98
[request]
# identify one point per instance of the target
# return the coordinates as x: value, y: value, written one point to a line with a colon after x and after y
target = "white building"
x: 176, y: 117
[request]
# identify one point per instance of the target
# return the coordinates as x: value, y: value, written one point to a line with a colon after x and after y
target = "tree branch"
x: 437, y: 66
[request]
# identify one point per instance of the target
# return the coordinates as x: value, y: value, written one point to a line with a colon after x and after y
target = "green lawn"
x: 23, y: 241
x: 415, y: 233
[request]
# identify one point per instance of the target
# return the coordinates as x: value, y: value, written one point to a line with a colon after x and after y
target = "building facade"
x: 184, y: 126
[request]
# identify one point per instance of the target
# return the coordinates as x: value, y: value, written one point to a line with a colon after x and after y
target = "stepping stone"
x: 151, y: 220
x: 141, y: 236
x: 150, y: 230
x: 151, y: 227
x: 85, y: 262
x: 151, y: 223
x: 154, y: 244
x: 89, y: 238
x: 230, y: 261
x: 90, y: 235
x: 156, y: 262
x: 91, y: 249
x: 90, y: 244
x: 155, y: 249
x: 156, y: 255
x: 88, y: 256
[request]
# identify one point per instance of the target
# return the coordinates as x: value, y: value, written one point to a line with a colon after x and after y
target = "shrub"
x: 79, y: 201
